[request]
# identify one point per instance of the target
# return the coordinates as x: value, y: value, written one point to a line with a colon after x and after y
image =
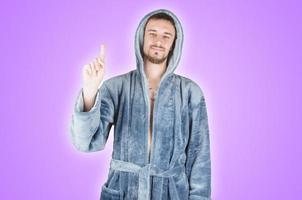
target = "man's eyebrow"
x: 167, y: 33
x: 153, y: 30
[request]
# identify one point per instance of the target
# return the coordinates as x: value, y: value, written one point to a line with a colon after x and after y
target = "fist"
x: 93, y: 74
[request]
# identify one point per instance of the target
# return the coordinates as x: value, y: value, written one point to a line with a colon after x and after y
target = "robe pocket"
x: 110, y: 194
x: 180, y: 187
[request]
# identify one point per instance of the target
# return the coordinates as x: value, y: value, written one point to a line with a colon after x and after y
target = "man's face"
x: 158, y: 40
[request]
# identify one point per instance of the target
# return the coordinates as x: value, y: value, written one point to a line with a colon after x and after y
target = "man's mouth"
x: 157, y: 48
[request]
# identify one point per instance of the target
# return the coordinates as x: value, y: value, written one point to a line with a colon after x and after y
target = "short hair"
x: 162, y: 16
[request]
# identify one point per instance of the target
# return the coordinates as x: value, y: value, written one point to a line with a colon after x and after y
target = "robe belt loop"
x: 144, y: 174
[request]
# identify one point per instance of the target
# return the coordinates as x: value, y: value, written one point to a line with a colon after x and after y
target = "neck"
x: 154, y: 71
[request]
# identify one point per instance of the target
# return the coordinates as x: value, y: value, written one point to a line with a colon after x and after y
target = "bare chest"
x: 152, y: 94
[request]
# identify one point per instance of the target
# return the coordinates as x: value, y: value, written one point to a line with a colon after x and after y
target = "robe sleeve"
x: 89, y: 130
x: 198, y: 162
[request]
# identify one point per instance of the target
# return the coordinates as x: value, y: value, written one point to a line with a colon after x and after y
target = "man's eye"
x: 167, y: 37
x: 152, y: 34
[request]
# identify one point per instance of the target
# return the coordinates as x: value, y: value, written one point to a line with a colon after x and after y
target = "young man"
x: 161, y: 135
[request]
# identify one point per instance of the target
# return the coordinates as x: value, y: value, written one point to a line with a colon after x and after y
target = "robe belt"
x: 144, y: 174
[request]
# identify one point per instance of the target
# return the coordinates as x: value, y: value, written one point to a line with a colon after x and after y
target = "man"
x: 161, y: 137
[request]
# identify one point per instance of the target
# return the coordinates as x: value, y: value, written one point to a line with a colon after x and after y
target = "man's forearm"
x: 89, y: 101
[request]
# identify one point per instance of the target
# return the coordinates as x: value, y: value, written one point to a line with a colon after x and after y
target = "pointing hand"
x: 93, y: 74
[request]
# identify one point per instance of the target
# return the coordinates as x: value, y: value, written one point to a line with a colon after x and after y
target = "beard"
x: 154, y: 59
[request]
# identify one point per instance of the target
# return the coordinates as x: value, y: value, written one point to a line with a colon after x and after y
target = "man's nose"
x: 159, y: 43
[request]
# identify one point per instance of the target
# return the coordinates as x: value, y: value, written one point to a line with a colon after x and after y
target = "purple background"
x: 245, y: 55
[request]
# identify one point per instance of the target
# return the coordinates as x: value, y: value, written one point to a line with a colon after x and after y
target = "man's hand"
x: 93, y: 74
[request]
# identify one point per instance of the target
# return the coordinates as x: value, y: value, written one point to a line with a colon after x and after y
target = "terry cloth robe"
x: 179, y: 167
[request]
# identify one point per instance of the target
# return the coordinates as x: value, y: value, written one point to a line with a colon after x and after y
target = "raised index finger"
x: 102, y: 52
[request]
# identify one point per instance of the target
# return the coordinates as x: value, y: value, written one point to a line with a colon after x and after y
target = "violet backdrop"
x: 245, y: 55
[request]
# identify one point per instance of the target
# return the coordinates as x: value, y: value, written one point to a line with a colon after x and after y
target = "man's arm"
x: 198, y: 163
x: 89, y: 101
x: 90, y: 129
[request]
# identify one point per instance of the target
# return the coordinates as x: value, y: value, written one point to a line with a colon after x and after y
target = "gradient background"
x: 245, y: 55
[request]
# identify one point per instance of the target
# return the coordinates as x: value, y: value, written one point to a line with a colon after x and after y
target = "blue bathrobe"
x: 179, y: 167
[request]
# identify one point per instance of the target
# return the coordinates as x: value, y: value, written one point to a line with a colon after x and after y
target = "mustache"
x: 160, y: 47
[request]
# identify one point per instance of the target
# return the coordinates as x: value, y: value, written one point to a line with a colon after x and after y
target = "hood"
x: 176, y: 53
